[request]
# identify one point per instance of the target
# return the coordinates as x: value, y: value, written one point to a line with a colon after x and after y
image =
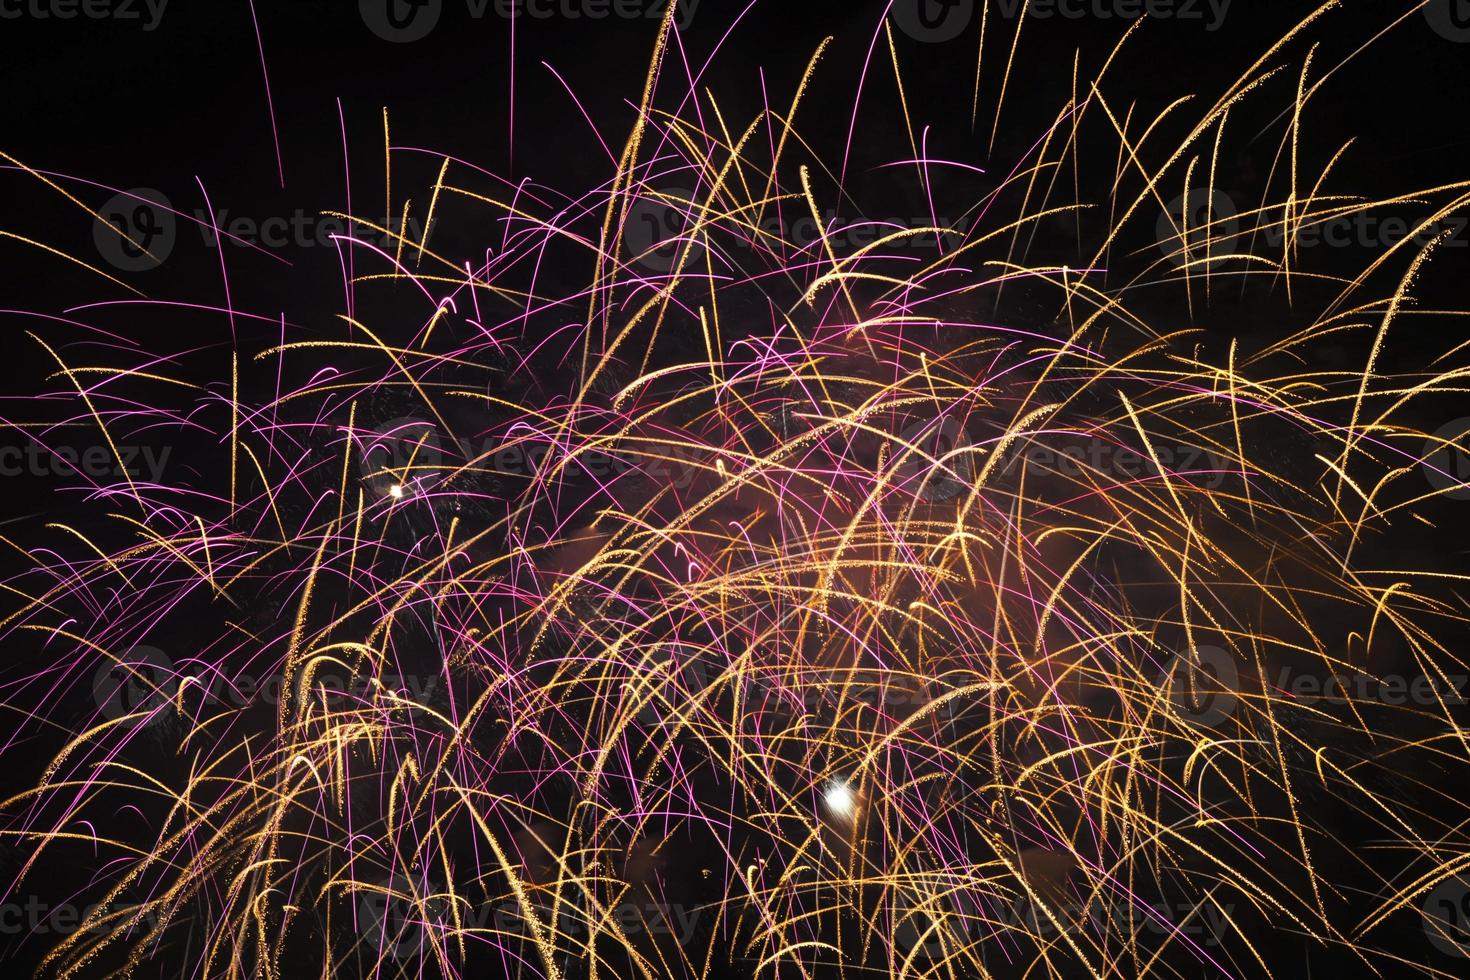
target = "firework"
x: 715, y: 580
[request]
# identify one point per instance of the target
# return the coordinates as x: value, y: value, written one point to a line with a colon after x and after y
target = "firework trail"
x: 702, y: 583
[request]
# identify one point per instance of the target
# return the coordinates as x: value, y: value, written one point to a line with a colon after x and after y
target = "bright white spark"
x: 840, y: 800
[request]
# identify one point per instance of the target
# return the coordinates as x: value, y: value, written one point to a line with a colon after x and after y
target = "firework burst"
x: 713, y: 580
